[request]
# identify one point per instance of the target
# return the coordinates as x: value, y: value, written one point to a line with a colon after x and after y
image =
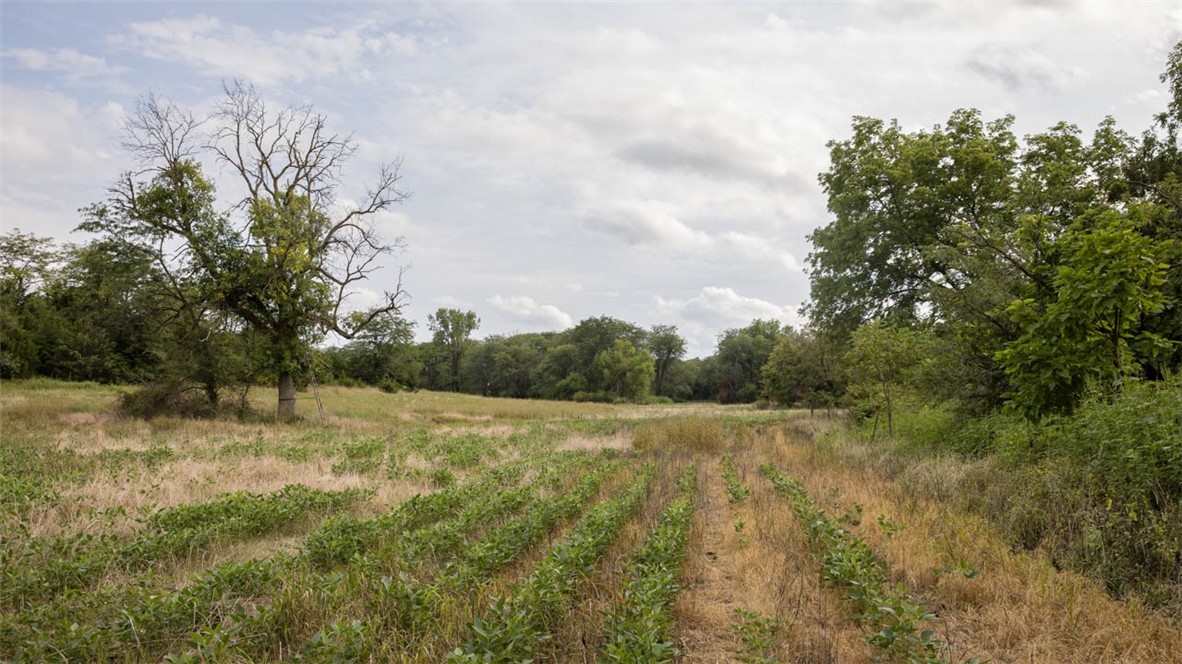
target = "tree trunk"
x: 287, y: 396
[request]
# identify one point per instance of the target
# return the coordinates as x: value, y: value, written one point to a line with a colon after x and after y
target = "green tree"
x: 741, y: 354
x: 880, y: 358
x: 289, y: 255
x: 587, y: 339
x: 893, y: 194
x: 802, y: 369
x: 453, y: 330
x: 26, y: 264
x: 667, y: 348
x: 504, y: 366
x: 1109, y: 281
x: 626, y: 371
x: 382, y: 355
x: 105, y: 316
x: 965, y: 229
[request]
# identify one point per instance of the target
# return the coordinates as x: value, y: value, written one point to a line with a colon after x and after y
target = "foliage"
x: 452, y: 330
x: 640, y: 629
x: 516, y: 627
x: 802, y: 369
x: 667, y: 348
x: 757, y: 633
x: 1035, y: 261
x: 1109, y: 280
x: 742, y: 353
x: 382, y: 355
x: 625, y: 371
x: 285, y: 267
x: 735, y: 490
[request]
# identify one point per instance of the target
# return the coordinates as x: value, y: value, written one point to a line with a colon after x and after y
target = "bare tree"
x: 286, y: 255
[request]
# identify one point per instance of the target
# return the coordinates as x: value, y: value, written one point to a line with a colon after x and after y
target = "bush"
x: 389, y: 385
x: 169, y: 399
x: 1099, y: 491
x: 592, y: 397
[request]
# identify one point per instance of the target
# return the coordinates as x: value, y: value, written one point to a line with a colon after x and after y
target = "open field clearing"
x: 427, y: 527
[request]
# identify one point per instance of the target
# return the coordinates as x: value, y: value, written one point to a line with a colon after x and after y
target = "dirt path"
x: 706, y: 606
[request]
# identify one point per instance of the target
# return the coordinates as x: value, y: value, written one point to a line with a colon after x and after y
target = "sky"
x: 655, y: 162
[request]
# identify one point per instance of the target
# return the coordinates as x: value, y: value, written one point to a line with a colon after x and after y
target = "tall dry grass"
x: 1016, y: 609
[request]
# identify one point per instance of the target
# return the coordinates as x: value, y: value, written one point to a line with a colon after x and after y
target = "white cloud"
x: 759, y: 249
x: 632, y: 152
x: 647, y: 222
x: 725, y: 305
x: 526, y: 311
x: 702, y: 317
x: 57, y: 156
x: 71, y: 65
x: 222, y: 50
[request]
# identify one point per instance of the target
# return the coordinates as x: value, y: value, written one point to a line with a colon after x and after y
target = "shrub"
x: 168, y: 399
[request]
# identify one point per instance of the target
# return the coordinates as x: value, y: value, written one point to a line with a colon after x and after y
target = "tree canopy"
x: 284, y: 256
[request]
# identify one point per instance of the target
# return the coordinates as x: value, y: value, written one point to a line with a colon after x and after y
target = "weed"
x: 758, y: 635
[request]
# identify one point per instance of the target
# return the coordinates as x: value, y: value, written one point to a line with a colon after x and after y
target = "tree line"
x: 962, y: 266
x: 101, y: 312
x: 599, y: 359
x: 199, y: 294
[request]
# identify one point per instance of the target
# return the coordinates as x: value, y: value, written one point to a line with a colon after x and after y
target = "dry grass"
x: 577, y: 441
x: 752, y: 556
x: 115, y: 503
x: 1018, y: 610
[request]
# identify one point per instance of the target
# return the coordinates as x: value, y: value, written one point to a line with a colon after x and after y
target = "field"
x: 433, y: 527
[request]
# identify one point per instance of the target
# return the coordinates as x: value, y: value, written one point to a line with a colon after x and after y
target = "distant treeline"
x: 599, y: 359
x: 101, y: 312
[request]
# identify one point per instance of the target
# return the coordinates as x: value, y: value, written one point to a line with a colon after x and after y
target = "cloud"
x: 726, y: 307
x: 526, y: 311
x: 71, y: 65
x: 1019, y: 68
x: 647, y: 222
x: 57, y: 156
x: 759, y: 249
x: 223, y: 50
x: 640, y: 152
x: 704, y: 316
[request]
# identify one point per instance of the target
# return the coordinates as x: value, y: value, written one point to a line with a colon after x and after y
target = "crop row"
x: 139, y: 615
x: 849, y: 564
x: 638, y: 631
x: 735, y: 490
x: 516, y: 626
x: 344, y: 537
x: 383, y: 581
x: 389, y: 581
x: 42, y: 568
x: 416, y: 605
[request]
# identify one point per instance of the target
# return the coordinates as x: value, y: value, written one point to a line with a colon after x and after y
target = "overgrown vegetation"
x: 898, y: 622
x: 1015, y: 302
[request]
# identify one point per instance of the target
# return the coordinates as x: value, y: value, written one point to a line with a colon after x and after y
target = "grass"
x: 422, y: 543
